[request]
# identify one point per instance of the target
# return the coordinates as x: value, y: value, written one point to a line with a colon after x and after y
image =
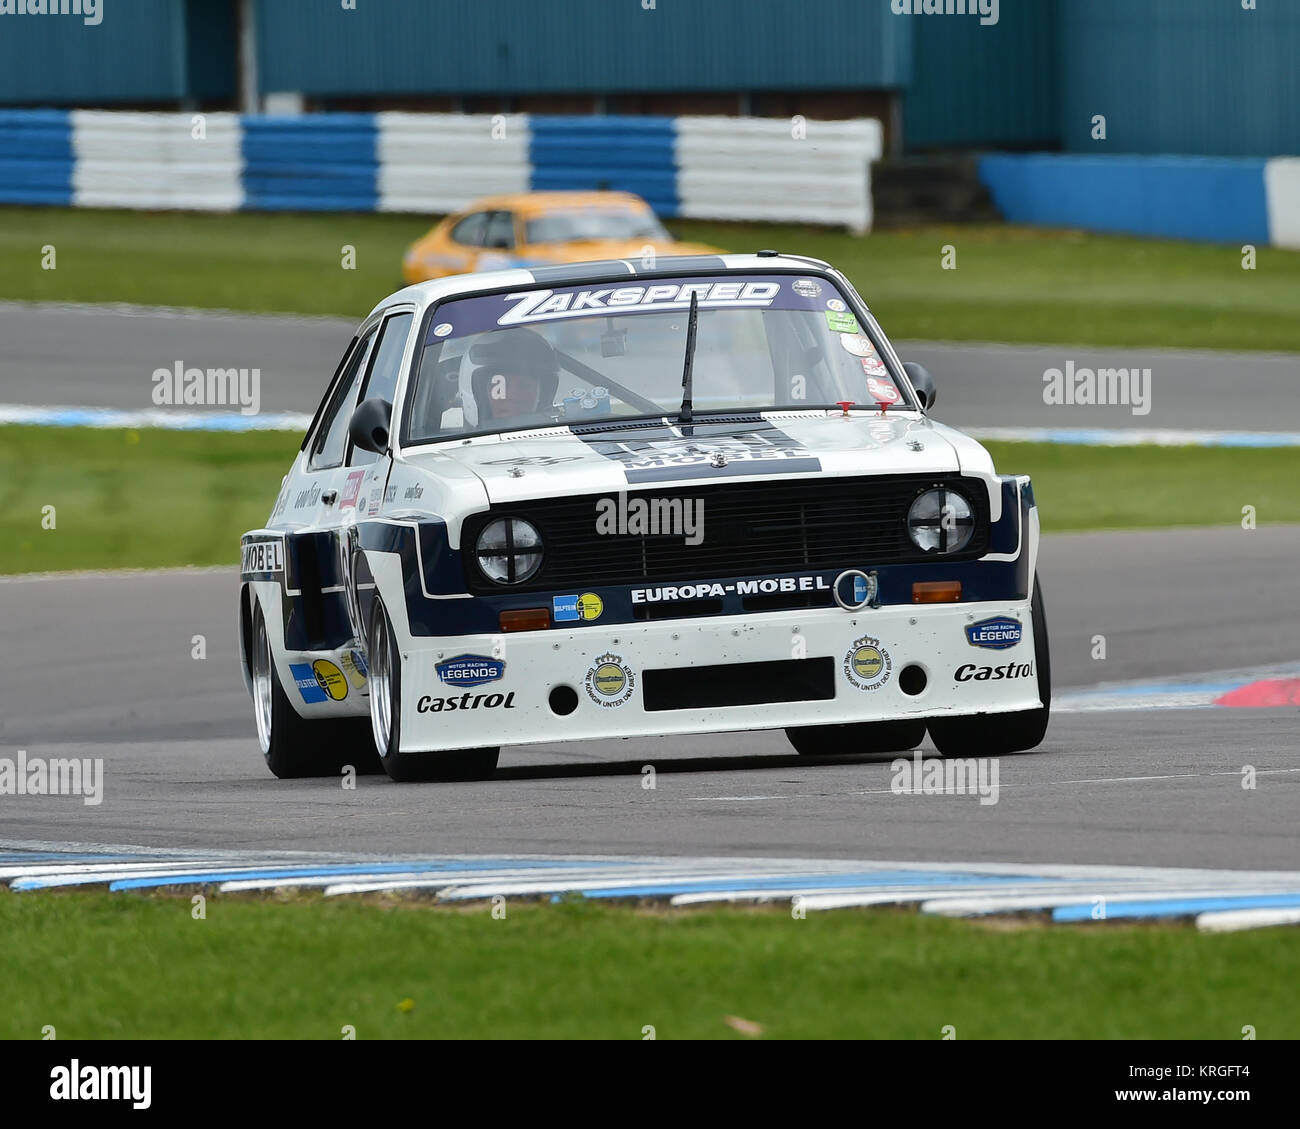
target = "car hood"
x: 558, y: 461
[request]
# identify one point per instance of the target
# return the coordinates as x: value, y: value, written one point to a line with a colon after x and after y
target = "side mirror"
x: 369, y: 425
x: 922, y: 381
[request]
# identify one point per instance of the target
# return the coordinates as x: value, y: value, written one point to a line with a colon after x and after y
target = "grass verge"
x: 154, y: 498
x: 133, y: 499
x: 96, y: 965
x: 1010, y: 283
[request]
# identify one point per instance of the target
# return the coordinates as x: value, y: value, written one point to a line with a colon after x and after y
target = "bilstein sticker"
x: 566, y: 609
x: 330, y: 679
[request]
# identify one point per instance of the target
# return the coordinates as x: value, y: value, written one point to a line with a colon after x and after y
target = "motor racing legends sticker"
x: 806, y: 288
x: 470, y: 670
x: 867, y: 664
x: 320, y: 681
x: 568, y: 609
x: 996, y: 634
x: 263, y: 557
x: 610, y: 681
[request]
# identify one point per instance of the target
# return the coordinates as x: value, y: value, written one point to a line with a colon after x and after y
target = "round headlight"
x: 509, y: 550
x: 940, y: 521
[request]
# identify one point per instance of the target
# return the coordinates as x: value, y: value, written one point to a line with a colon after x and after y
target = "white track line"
x: 1234, y: 920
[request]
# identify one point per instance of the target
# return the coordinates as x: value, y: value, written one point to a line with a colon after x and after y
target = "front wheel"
x: 992, y: 734
x: 386, y: 718
x: 861, y: 737
x: 293, y: 746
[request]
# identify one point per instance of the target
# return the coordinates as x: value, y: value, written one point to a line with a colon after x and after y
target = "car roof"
x: 536, y: 203
x: 424, y: 294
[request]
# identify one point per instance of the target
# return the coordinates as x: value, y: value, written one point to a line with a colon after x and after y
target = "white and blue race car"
x: 610, y: 500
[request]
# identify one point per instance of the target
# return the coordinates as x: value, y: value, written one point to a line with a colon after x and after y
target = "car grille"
x: 750, y: 529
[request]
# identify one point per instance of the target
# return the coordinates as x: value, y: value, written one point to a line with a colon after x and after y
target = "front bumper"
x: 509, y: 695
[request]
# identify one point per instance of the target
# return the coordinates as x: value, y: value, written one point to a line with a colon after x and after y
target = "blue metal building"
x: 1204, y: 77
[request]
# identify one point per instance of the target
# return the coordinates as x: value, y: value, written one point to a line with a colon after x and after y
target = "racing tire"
x: 293, y: 746
x: 853, y: 739
x: 992, y: 734
x: 385, y: 681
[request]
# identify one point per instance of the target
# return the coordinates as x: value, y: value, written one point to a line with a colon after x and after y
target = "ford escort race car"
x: 598, y: 500
x: 540, y: 229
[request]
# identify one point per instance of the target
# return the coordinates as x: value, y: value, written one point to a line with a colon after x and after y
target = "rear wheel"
x: 863, y: 737
x: 386, y: 718
x: 293, y: 746
x: 990, y: 735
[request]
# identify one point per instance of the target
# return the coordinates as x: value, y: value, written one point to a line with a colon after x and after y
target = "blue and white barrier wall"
x: 1206, y: 199
x: 701, y: 167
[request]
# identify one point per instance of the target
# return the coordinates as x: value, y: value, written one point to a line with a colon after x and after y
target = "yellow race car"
x: 535, y: 228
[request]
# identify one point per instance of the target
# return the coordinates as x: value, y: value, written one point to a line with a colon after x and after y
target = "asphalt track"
x: 100, y: 666
x: 95, y: 356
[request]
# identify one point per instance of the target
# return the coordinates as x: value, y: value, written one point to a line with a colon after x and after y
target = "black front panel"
x: 749, y: 529
x: 738, y: 684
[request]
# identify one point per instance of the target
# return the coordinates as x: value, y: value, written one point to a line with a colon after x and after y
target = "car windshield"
x: 585, y: 354
x: 576, y: 225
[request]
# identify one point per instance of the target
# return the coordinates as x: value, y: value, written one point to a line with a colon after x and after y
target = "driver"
x: 513, y: 375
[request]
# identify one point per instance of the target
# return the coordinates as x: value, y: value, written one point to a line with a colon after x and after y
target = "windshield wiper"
x: 684, y: 415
